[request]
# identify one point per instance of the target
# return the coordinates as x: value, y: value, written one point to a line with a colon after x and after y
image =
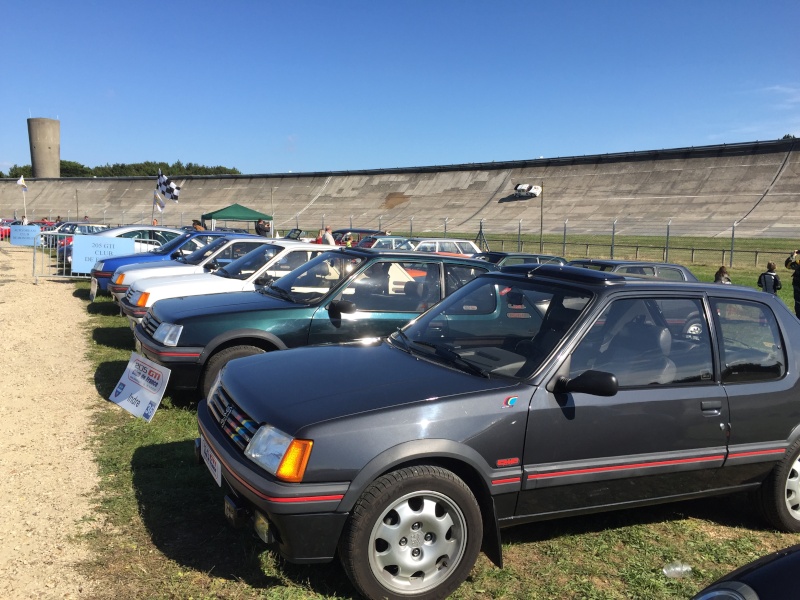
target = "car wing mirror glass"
x: 344, y: 307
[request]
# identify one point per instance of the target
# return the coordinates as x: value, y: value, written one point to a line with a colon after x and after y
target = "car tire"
x: 435, y: 523
x: 219, y: 360
x: 778, y: 498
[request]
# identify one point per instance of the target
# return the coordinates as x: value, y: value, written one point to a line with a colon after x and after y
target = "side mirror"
x: 175, y: 254
x: 597, y: 383
x: 264, y: 279
x: 211, y: 265
x: 343, y: 307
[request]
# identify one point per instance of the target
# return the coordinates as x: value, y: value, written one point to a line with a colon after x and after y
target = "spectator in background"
x: 197, y: 225
x: 86, y: 218
x: 769, y: 280
x: 320, y: 236
x: 721, y: 276
x: 793, y: 263
x: 155, y: 221
x: 327, y: 237
x: 261, y: 228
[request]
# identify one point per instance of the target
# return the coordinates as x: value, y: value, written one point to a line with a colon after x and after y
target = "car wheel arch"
x: 463, y: 461
x: 241, y: 337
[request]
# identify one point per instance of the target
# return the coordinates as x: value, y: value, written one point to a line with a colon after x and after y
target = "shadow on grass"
x: 733, y: 510
x: 107, y: 375
x: 114, y: 337
x: 182, y: 509
x: 105, y: 309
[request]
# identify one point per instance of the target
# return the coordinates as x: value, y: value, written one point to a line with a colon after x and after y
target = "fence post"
x: 564, y: 242
x: 351, y: 221
x: 380, y: 222
x: 666, y: 246
x: 323, y: 221
x: 755, y: 263
x: 411, y: 227
x: 613, y: 235
x: 519, y: 236
x: 733, y: 237
x: 445, y: 225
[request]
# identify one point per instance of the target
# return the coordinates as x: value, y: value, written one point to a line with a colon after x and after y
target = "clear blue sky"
x: 318, y: 85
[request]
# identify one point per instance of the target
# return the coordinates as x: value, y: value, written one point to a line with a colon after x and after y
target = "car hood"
x: 192, y: 281
x: 174, y: 310
x: 150, y: 266
x: 347, y: 379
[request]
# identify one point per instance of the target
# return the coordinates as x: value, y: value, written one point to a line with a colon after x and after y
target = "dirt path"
x: 47, y: 474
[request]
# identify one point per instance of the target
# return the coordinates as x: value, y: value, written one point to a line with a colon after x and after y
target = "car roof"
x: 619, y: 261
x: 357, y: 230
x: 372, y: 252
x: 124, y: 228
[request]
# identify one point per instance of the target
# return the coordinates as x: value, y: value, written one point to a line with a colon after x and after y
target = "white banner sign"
x: 88, y: 249
x: 141, y: 387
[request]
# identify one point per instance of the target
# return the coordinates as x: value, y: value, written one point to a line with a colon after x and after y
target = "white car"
x: 218, y: 253
x: 255, y: 269
x: 145, y: 237
x: 445, y: 246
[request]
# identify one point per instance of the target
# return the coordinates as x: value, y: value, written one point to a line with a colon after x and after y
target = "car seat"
x: 639, y: 355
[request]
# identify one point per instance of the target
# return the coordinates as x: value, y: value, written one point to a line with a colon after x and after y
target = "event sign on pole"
x: 141, y: 387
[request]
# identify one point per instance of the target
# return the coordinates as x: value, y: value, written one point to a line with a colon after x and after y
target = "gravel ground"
x: 47, y: 474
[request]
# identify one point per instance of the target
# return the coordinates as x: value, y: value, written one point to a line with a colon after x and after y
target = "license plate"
x: 132, y: 324
x: 261, y: 526
x: 211, y: 460
x: 93, y: 290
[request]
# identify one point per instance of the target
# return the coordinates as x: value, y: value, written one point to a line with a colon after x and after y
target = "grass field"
x: 165, y: 535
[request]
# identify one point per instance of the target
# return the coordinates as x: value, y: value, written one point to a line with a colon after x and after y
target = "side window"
x: 465, y: 248
x: 427, y: 247
x: 395, y: 287
x: 515, y: 261
x: 637, y: 270
x: 670, y: 273
x: 455, y: 276
x: 752, y: 349
x: 225, y: 256
x: 449, y: 247
x: 637, y: 340
x: 132, y: 235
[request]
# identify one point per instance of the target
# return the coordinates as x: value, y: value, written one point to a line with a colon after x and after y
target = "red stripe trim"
x: 660, y: 463
x: 508, y: 480
x: 756, y: 453
x: 183, y: 354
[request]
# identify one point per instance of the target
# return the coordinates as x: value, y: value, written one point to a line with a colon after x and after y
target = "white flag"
x: 21, y: 181
x: 158, y: 202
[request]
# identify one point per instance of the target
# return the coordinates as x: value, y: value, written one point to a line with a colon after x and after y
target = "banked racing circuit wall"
x: 700, y: 191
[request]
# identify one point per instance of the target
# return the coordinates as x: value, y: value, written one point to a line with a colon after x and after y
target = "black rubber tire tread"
x: 219, y: 360
x: 373, y: 501
x: 770, y: 498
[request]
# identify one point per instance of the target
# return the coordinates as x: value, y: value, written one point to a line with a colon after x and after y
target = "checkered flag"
x: 167, y: 188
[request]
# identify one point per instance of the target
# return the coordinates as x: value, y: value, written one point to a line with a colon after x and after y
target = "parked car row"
x: 492, y: 391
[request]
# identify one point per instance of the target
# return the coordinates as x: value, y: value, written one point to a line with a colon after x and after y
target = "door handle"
x: 711, y: 407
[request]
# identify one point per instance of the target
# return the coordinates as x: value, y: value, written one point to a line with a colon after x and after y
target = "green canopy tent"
x: 237, y: 212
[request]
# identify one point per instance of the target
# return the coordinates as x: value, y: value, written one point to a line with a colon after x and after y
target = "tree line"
x: 146, y: 169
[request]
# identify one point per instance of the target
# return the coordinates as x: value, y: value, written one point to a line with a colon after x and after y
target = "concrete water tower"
x: 45, y: 139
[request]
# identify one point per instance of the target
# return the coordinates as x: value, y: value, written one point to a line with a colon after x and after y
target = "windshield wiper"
x: 401, y: 335
x: 279, y: 291
x: 454, y: 358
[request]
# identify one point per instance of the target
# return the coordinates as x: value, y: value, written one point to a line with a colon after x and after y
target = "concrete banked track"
x: 700, y: 191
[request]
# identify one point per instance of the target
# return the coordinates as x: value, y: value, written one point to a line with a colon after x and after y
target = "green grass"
x: 165, y: 535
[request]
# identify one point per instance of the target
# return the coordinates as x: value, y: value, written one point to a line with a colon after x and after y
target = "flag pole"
x: 24, y: 205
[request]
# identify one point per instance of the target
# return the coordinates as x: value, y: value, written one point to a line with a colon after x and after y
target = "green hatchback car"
x: 343, y: 295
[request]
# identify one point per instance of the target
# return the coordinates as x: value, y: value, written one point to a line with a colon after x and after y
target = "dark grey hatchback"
x: 528, y: 394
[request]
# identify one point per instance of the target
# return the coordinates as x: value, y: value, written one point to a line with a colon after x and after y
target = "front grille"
x: 129, y: 294
x: 234, y: 423
x: 150, y: 323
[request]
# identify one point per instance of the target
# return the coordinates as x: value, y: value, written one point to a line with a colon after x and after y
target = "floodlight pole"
x: 541, y: 220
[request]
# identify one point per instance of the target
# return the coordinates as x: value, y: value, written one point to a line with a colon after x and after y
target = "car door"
x: 384, y: 295
x: 663, y: 433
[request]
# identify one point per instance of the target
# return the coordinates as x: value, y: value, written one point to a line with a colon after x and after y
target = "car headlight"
x: 142, y: 299
x: 168, y: 334
x: 279, y: 454
x: 98, y: 266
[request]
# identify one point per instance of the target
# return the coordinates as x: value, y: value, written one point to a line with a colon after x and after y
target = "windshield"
x: 494, y: 328
x: 173, y: 244
x: 312, y: 281
x: 244, y: 267
x: 202, y: 253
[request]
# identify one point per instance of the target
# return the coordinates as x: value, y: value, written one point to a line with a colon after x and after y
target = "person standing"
x: 793, y: 263
x: 327, y: 237
x: 261, y: 228
x: 721, y: 276
x: 769, y: 281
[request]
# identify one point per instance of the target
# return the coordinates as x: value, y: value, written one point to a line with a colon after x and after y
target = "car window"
x: 751, y: 343
x: 135, y: 234
x: 164, y: 236
x: 426, y: 247
x: 643, y: 342
x: 507, y: 330
x: 395, y: 286
x: 466, y: 248
x: 455, y: 276
x: 637, y: 270
x: 671, y: 273
x: 516, y: 260
x: 313, y: 280
x: 449, y: 247
x: 250, y: 263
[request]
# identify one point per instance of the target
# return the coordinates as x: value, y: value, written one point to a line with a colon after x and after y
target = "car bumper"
x: 303, y: 518
x: 135, y: 313
x: 118, y: 291
x: 183, y: 363
x: 103, y: 279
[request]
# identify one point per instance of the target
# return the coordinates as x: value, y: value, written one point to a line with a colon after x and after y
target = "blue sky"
x: 318, y: 85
